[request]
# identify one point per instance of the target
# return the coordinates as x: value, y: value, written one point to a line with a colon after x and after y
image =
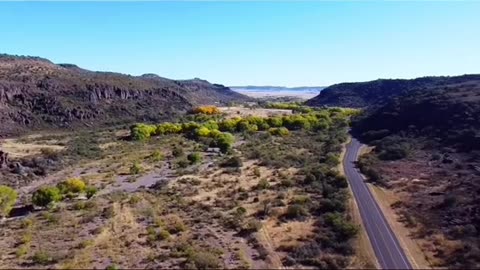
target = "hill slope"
x: 36, y: 93
x: 365, y: 94
x: 447, y: 114
x: 427, y: 151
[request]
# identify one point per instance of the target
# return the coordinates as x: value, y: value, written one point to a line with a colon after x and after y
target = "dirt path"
x: 273, y: 258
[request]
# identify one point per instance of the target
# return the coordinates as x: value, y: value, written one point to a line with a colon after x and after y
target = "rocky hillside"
x: 448, y: 114
x: 36, y: 93
x: 427, y: 151
x: 378, y: 92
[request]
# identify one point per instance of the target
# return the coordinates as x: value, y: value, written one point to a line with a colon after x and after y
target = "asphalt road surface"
x: 387, y: 249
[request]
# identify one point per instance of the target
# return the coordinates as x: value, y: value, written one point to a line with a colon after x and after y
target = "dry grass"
x: 18, y: 149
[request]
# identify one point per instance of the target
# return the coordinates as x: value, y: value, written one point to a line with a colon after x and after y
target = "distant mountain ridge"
x: 381, y: 91
x: 280, y: 88
x: 36, y: 93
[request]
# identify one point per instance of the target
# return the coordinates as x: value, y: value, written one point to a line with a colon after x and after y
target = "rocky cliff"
x: 36, y: 93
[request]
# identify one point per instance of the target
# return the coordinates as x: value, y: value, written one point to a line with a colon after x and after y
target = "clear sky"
x: 240, y: 43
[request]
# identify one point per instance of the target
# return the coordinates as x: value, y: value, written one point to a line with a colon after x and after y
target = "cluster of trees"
x: 214, y: 128
x: 68, y: 189
x: 206, y: 110
x: 302, y: 108
x: 210, y: 129
x: 366, y: 163
x: 393, y: 147
x: 217, y: 132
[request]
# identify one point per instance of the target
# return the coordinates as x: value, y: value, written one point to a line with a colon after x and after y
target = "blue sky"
x: 240, y: 43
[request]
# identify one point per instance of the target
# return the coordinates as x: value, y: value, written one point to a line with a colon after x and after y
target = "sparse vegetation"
x: 8, y: 197
x: 209, y: 196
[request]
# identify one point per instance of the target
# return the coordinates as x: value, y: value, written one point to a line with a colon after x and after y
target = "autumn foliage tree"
x: 206, y: 110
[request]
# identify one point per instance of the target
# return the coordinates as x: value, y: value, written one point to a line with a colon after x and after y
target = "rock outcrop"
x: 35, y: 93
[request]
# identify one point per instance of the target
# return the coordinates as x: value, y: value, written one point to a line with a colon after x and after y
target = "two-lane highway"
x: 385, y: 244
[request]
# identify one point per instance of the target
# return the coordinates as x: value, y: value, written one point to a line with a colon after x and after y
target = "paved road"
x: 389, y: 253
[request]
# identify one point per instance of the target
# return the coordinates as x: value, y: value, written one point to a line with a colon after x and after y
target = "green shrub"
x: 22, y: 251
x: 174, y: 224
x: 263, y: 184
x: 90, y: 191
x: 256, y: 172
x: 51, y: 218
x: 393, y: 147
x: 243, y: 125
x: 42, y: 257
x: 141, y: 132
x: 204, y: 260
x: 211, y: 125
x: 73, y: 185
x: 183, y: 162
x: 214, y: 133
x: 194, y: 157
x: 241, y: 211
x: 275, y: 121
x: 296, y: 211
x: 167, y: 128
x: 178, y: 151
x: 344, y: 229
x: 301, y: 200
x: 163, y: 235
x: 27, y: 238
x: 202, y: 132
x: 332, y: 160
x: 229, y: 125
x: 157, y: 156
x: 225, y: 141
x: 111, y: 267
x: 8, y: 197
x: 340, y: 181
x: 279, y: 131
x: 136, y: 168
x: 46, y: 195
x: 234, y: 161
